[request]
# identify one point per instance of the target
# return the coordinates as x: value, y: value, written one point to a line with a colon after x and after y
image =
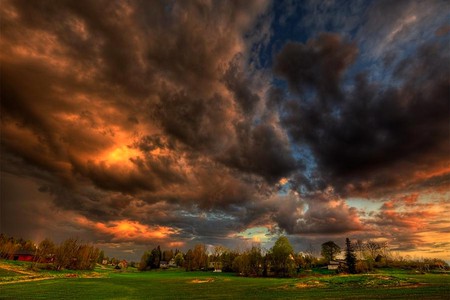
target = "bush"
x: 363, y: 266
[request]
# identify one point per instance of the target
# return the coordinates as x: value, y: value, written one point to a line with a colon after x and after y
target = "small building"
x: 24, y: 255
x: 123, y: 264
x: 216, y: 265
x: 163, y: 264
x: 172, y: 263
x: 336, y: 264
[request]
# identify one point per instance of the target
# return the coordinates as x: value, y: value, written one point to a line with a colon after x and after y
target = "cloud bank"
x: 152, y: 122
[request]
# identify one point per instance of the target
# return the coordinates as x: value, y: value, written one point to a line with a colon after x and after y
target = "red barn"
x: 24, y: 255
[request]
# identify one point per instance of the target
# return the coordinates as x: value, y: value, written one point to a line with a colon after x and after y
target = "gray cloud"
x: 357, y: 136
x: 159, y: 117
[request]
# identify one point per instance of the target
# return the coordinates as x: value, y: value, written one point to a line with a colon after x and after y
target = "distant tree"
x: 101, y: 257
x: 330, y: 250
x: 241, y: 264
x: 46, y: 250
x: 350, y: 256
x: 255, y: 261
x: 372, y: 249
x: 66, y: 253
x: 179, y: 259
x: 199, y: 258
x: 188, y: 260
x: 266, y: 264
x: 249, y: 263
x: 282, y: 257
x: 167, y: 255
x: 28, y: 246
x: 156, y: 256
x: 114, y: 261
x: 86, y: 257
x: 359, y: 248
x: 227, y: 259
x: 219, y: 250
x: 146, y: 261
x: 8, y: 246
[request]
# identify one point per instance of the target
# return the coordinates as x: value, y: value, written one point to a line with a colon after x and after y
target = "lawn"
x: 177, y: 284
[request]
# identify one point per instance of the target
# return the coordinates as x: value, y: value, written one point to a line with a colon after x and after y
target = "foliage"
x: 227, y: 259
x: 70, y: 254
x: 188, y: 260
x: 199, y: 257
x: 73, y: 255
x: 10, y: 245
x: 101, y: 257
x: 179, y: 259
x: 330, y: 250
x: 167, y: 255
x: 350, y: 257
x: 282, y: 257
x: 150, y: 259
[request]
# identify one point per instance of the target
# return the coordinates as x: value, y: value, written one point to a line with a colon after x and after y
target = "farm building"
x: 336, y: 264
x: 172, y: 263
x: 163, y: 264
x: 24, y: 255
x: 216, y: 265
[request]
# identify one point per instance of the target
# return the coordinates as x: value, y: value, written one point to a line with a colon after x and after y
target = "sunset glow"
x: 121, y: 156
x: 133, y: 124
x: 126, y: 230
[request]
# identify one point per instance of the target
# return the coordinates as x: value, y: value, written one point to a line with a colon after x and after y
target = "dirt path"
x: 16, y: 270
x: 27, y: 275
x: 25, y: 280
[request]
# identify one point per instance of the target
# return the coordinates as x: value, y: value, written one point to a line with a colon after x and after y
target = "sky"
x: 132, y: 124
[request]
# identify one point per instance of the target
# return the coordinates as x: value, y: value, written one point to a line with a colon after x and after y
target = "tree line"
x: 282, y: 261
x: 71, y: 254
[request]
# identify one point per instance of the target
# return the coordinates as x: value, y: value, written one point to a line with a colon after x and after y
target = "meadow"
x: 18, y: 281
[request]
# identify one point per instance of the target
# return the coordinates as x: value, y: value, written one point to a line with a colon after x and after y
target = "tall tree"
x: 350, y: 256
x: 66, y: 254
x: 199, y: 258
x: 373, y: 249
x: 179, y: 259
x: 188, y: 260
x: 101, y: 257
x: 255, y: 261
x: 146, y: 261
x: 330, y: 250
x: 282, y: 257
x: 156, y: 255
x: 227, y: 259
x: 46, y: 250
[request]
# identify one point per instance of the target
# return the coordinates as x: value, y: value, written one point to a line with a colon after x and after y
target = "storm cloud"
x: 174, y: 122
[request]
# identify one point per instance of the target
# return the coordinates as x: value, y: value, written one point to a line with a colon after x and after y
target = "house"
x: 163, y: 264
x: 123, y: 264
x: 216, y: 265
x: 336, y: 264
x: 172, y: 263
x: 24, y: 255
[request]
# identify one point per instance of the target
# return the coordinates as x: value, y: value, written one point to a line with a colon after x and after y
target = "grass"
x: 178, y: 284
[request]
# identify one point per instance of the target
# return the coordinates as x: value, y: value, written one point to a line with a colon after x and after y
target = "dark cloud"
x: 158, y: 117
x: 360, y: 135
x: 261, y: 150
x: 240, y: 86
x: 318, y: 64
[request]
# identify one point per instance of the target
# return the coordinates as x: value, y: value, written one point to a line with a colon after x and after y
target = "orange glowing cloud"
x: 121, y: 155
x: 128, y: 230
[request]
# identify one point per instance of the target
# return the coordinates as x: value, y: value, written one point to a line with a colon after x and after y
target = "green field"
x: 178, y: 284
